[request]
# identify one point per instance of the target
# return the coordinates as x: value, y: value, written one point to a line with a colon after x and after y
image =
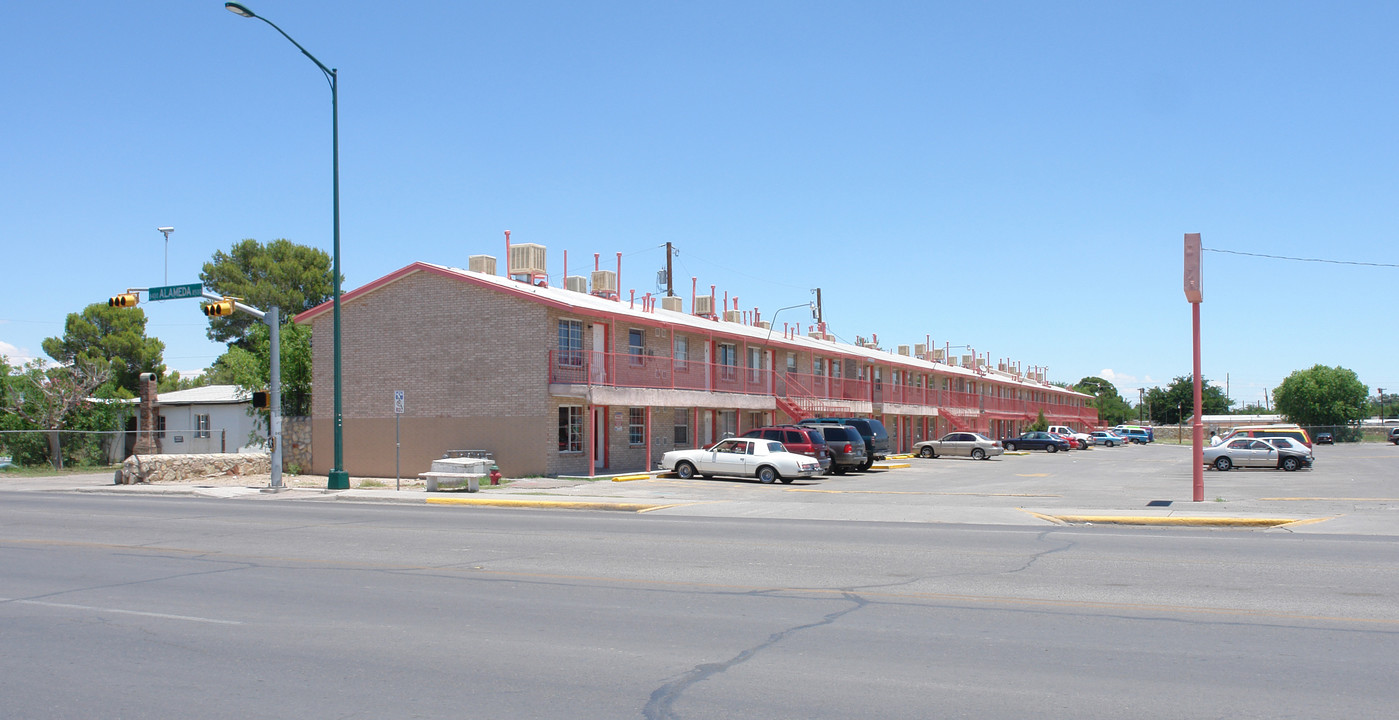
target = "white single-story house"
x: 209, y: 419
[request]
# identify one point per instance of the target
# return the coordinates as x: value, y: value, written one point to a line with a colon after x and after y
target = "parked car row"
x: 785, y: 452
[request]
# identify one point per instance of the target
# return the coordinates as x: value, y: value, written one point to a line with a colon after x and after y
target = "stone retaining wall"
x: 296, y: 443
x: 191, y: 468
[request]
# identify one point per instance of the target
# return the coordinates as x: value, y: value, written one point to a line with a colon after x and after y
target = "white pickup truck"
x: 1084, y: 439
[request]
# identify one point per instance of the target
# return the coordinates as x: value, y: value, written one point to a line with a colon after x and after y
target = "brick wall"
x: 465, y: 356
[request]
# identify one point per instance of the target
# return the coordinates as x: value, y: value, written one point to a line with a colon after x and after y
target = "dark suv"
x: 846, y: 446
x: 872, y: 431
x: 800, y: 439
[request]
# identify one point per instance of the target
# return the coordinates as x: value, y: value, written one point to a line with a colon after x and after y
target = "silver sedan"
x: 960, y: 444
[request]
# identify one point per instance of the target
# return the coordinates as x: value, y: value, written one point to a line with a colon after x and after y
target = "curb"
x: 552, y: 504
x: 1149, y: 520
x: 629, y: 478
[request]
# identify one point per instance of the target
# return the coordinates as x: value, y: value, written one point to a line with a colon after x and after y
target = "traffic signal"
x: 260, y: 400
x: 125, y: 300
x: 219, y: 308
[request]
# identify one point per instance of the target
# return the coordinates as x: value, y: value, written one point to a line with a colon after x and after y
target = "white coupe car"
x: 767, y: 460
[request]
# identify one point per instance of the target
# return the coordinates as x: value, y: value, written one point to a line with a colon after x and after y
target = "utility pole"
x: 819, y: 318
x: 669, y: 274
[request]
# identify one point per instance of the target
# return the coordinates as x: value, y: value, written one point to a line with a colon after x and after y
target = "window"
x: 682, y: 352
x: 636, y: 345
x: 818, y: 367
x: 682, y: 426
x: 791, y: 362
x: 755, y: 364
x: 571, y: 343
x: 201, y: 426
x: 571, y: 428
x: 160, y: 426
x: 636, y: 426
x: 728, y: 423
x: 728, y: 360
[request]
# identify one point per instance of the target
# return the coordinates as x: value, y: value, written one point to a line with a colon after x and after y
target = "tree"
x: 279, y: 274
x: 1322, y: 396
x: 107, y: 335
x: 1175, y: 403
x: 250, y: 368
x: 48, y: 397
x: 1112, y: 409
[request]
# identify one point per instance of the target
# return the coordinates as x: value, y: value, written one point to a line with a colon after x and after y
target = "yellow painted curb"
x: 1194, y: 521
x: 551, y: 504
x: 890, y: 466
x: 629, y: 478
x: 900, y: 456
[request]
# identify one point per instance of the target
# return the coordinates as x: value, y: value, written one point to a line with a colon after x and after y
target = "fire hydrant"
x: 495, y: 474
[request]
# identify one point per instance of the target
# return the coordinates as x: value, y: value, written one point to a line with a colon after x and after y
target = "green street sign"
x: 177, y: 292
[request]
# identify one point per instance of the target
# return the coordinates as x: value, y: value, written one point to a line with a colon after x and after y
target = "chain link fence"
x: 102, y: 448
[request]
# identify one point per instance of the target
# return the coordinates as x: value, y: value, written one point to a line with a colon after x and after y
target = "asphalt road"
x: 139, y: 607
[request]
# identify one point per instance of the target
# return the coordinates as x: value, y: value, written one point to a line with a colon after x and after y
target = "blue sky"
x: 1015, y: 176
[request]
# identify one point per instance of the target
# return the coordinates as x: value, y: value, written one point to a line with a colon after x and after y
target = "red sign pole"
x: 1194, y: 292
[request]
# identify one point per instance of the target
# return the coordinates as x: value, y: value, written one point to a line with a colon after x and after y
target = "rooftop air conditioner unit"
x: 939, y: 355
x: 966, y: 361
x: 920, y: 351
x: 733, y: 316
x: 673, y: 304
x: 903, y: 350
x: 527, y: 259
x: 765, y: 325
x: 604, y: 282
x: 576, y: 283
x: 704, y: 305
x: 481, y: 264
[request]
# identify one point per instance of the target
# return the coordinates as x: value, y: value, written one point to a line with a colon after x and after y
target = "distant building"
x: 558, y: 381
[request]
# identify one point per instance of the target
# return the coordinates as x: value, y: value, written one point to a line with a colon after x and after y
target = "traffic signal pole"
x: 272, y: 319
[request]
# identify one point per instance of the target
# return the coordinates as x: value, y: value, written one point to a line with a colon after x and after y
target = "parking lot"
x: 1352, y: 488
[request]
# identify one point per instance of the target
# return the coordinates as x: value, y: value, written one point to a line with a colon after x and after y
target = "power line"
x: 1296, y: 259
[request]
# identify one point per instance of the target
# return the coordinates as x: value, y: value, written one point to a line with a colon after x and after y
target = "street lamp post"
x: 166, y: 232
x: 338, y: 478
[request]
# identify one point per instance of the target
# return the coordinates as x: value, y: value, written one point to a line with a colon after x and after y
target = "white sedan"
x: 767, y: 460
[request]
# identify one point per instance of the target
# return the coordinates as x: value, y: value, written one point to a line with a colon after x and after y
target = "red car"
x: 1071, y: 440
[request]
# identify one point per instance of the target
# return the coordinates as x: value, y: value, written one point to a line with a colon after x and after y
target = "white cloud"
x: 1117, y: 378
x: 15, y: 355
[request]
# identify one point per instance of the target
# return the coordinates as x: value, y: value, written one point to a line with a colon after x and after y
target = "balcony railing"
x: 584, y: 367
x: 650, y: 371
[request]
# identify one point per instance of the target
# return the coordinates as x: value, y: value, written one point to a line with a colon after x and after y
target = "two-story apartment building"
x: 558, y: 381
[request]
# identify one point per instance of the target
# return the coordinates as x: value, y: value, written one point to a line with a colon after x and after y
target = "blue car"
x: 1035, y: 440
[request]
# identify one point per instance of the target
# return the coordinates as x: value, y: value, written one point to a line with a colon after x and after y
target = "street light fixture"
x: 166, y: 231
x: 338, y: 478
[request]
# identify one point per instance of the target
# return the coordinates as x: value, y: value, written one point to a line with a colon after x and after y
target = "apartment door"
x: 599, y: 438
x: 598, y: 364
